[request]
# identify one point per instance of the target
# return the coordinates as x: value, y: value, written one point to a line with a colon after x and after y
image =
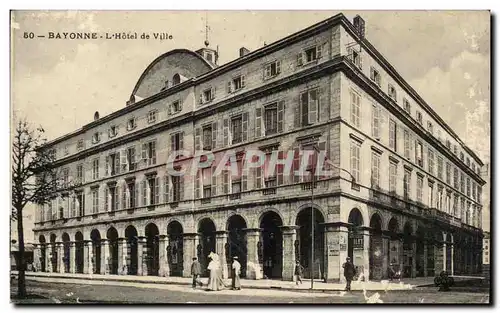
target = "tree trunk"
x: 21, y: 266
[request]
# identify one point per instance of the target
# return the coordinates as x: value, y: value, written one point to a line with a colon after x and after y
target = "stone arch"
x: 41, y: 239
x: 131, y: 236
x: 381, y: 216
x: 176, y: 79
x: 112, y: 236
x: 270, y: 247
x: 240, y: 214
x: 206, y: 228
x: 265, y: 211
x: 376, y: 248
x: 319, y: 208
x: 356, y: 217
x: 393, y: 225
x: 307, y: 239
x: 152, y: 252
x: 175, y: 253
x: 205, y: 217
x: 236, y: 241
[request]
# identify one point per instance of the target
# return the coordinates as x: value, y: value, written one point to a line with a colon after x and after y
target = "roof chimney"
x: 359, y: 24
x: 244, y: 51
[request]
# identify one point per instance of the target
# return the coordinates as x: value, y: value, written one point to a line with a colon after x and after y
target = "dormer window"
x: 176, y: 79
x: 131, y: 123
x: 112, y: 132
x: 236, y: 83
x: 392, y: 92
x: 375, y: 76
x: 152, y: 116
x: 207, y: 95
x: 96, y: 138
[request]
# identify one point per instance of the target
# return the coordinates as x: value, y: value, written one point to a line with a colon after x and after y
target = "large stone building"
x: 404, y: 189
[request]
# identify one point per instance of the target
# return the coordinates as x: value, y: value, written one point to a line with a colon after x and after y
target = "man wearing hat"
x: 349, y: 272
x: 235, y: 275
x: 196, y: 272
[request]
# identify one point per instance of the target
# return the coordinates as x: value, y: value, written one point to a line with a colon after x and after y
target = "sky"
x: 59, y: 84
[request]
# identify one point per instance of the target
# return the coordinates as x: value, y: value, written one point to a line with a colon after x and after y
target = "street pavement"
x: 140, y: 293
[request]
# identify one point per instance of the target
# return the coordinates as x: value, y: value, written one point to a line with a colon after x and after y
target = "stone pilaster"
x: 254, y: 268
x: 141, y: 260
x: 336, y: 235
x: 220, y: 243
x: 49, y: 255
x: 189, y: 246
x: 87, y: 258
x: 164, y: 269
x: 72, y: 257
x: 105, y: 270
x: 122, y: 256
x: 289, y: 237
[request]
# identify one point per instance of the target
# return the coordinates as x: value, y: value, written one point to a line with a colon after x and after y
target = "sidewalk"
x: 405, y: 284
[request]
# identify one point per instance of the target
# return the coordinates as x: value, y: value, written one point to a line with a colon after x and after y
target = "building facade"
x: 411, y: 195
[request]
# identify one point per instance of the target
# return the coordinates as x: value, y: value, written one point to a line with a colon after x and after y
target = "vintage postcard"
x: 250, y: 157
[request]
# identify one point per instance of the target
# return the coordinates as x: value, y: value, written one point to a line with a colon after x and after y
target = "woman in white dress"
x: 214, y: 267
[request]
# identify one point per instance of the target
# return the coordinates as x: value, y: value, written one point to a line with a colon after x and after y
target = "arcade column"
x: 164, y: 269
x: 289, y: 237
x: 336, y: 241
x: 254, y: 269
x: 220, y: 243
x: 189, y: 251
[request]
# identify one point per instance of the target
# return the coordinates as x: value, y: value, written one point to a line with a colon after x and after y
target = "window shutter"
x: 372, y: 74
x: 350, y: 54
x: 172, y: 143
x: 214, y: 135
x: 106, y: 170
x: 197, y: 139
x: 319, y: 51
x: 279, y: 168
x: 106, y: 199
x: 144, y: 192
x: 244, y: 126
x: 214, y: 182
x: 300, y: 59
x: 213, y: 93
x: 313, y: 108
x: 180, y: 105
x: 258, y: 177
x: 360, y: 60
x: 100, y: 201
x: 296, y: 165
x: 181, y: 188
x: 278, y: 67
x: 200, y: 100
x: 124, y: 161
x: 181, y: 141
x: 169, y: 108
x: 117, y: 197
x: 297, y: 117
x: 125, y: 201
x: 226, y: 132
x: 229, y: 87
x: 144, y: 152
x: 136, y: 195
x: 166, y: 189
x: 258, y: 122
x: 157, y: 190
x: 117, y: 163
x: 244, y: 178
x: 281, y: 115
x: 242, y: 81
x: 197, y: 183
x: 226, y: 182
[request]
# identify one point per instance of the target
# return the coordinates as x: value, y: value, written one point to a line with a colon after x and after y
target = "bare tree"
x: 34, y: 180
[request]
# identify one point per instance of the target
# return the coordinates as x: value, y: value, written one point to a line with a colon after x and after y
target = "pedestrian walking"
x: 349, y: 273
x: 196, y: 272
x: 235, y: 275
x: 298, y: 272
x: 214, y: 281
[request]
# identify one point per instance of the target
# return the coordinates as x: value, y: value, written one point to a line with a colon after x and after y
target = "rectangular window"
x: 479, y: 193
x: 375, y: 179
x: 448, y: 173
x: 131, y: 123
x: 152, y: 116
x: 95, y: 169
x: 355, y: 160
x: 207, y: 95
x: 79, y: 173
x: 176, y: 142
x: 207, y: 137
x: 393, y: 172
x: 407, y: 144
x: 272, y: 69
x: 355, y: 57
x: 462, y: 182
x: 468, y: 162
x: 79, y: 145
x: 440, y: 167
x: 431, y: 195
x: 431, y: 161
x: 65, y: 173
x: 474, y: 191
x: 430, y: 129
x: 419, y: 118
x: 177, y: 188
x: 448, y: 144
x: 149, y: 152
x: 112, y: 131
x: 271, y: 119
x: 375, y: 76
x: 468, y: 187
x: 112, y: 164
x: 309, y: 107
x: 392, y: 135
x: 440, y: 198
x: 96, y: 138
x: 406, y: 184
x: 375, y: 120
x: 311, y: 54
x: 392, y: 92
x: 236, y: 84
x: 455, y: 178
x: 462, y: 156
x: 355, y: 107
x: 407, y: 105
x: 420, y: 186
x: 131, y: 158
x: 95, y: 201
x: 236, y: 129
x: 175, y: 107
